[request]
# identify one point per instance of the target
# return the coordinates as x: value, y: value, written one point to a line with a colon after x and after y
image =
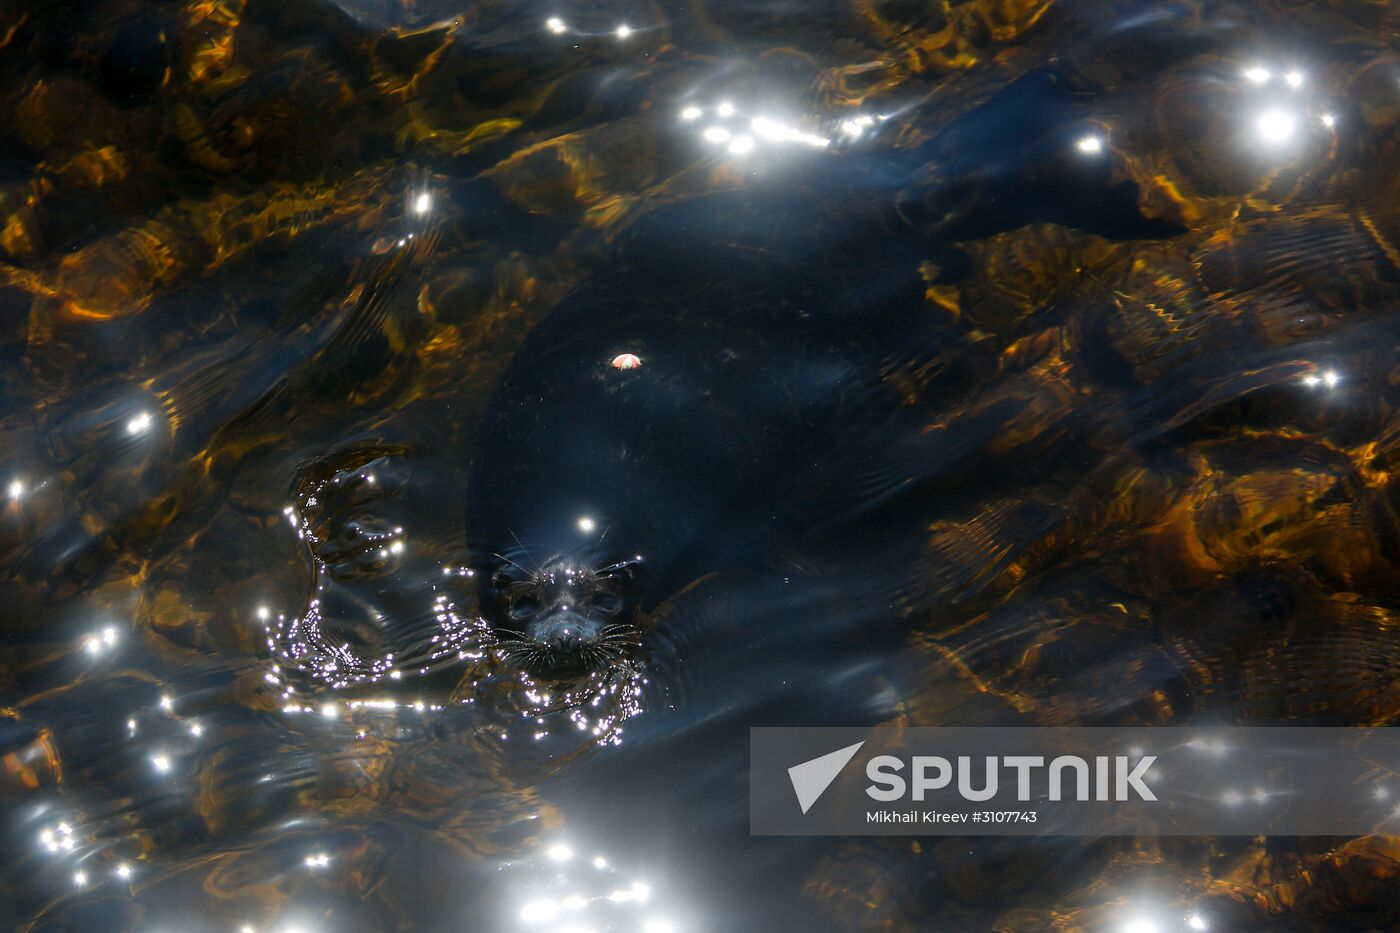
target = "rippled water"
x: 999, y: 361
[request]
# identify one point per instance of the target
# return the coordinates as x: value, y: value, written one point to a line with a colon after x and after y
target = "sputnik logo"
x: 811, y: 778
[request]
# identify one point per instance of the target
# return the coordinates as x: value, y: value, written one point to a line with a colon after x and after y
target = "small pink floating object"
x: 626, y: 361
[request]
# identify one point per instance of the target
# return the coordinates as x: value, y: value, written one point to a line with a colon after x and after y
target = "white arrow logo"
x: 811, y: 778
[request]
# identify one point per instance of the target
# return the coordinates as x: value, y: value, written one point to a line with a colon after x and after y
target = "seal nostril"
x: 567, y: 638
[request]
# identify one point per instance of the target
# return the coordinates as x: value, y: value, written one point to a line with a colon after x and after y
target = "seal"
x: 596, y: 491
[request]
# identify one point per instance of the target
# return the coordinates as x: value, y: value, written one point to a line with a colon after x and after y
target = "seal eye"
x: 524, y: 608
x: 605, y: 602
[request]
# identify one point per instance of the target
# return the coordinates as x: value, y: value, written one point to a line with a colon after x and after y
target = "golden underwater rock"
x: 934, y: 37
x: 1244, y: 569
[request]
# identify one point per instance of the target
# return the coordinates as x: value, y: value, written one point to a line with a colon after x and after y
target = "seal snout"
x: 565, y: 630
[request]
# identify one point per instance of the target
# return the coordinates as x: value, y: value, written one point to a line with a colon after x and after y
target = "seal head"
x: 564, y: 618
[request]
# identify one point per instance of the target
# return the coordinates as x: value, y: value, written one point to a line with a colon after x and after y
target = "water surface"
x: 1023, y: 362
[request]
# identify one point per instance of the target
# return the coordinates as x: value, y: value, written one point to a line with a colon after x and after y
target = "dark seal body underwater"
x: 597, y: 492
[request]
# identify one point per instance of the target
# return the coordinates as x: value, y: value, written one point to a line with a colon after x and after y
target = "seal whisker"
x: 596, y: 544
x: 524, y: 551
x: 617, y: 567
x: 610, y: 655
x: 620, y: 635
x: 511, y: 562
x: 515, y: 650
